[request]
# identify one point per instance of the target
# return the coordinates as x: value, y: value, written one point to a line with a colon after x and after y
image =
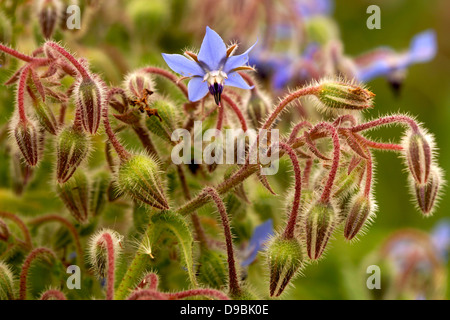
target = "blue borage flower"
x: 214, y: 67
x: 261, y: 235
x: 385, y: 61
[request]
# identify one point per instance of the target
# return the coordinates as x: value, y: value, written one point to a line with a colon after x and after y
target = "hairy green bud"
x: 213, y: 270
x: 6, y: 282
x: 99, y: 253
x: 361, y: 210
x: 426, y: 194
x: 418, y: 150
x: 99, y: 188
x: 166, y: 124
x: 75, y: 195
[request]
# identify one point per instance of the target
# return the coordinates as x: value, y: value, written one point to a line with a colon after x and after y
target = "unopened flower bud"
x: 4, y: 231
x: 27, y: 138
x: 213, y: 270
x: 72, y: 148
x: 320, y: 222
x: 418, y: 154
x: 21, y: 173
x: 45, y: 115
x: 98, y: 250
x: 6, y: 282
x: 138, y: 177
x: 48, y: 11
x: 285, y: 260
x: 334, y: 95
x: 88, y: 93
x: 166, y: 123
x: 427, y: 193
x: 138, y: 84
x: 75, y: 195
x: 361, y: 210
x: 99, y: 188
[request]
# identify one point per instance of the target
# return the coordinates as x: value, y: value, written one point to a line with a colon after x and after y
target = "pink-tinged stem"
x: 291, y: 97
x: 216, y: 294
x: 169, y: 75
x: 81, y: 69
x: 17, y: 54
x: 21, y: 93
x: 369, y: 173
x: 124, y: 155
x: 296, y: 130
x: 69, y: 226
x: 53, y: 295
x: 106, y: 237
x: 325, y: 198
x: 290, y: 227
x: 236, y: 110
x: 22, y: 226
x: 35, y: 254
x: 151, y: 280
x: 378, y: 145
x: 344, y: 118
x: 233, y: 278
x: 147, y: 294
x: 220, y: 117
x: 249, y: 81
x: 385, y: 121
x: 307, y: 172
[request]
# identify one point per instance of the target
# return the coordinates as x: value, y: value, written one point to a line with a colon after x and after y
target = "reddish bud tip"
x: 361, y: 209
x: 427, y: 193
x: 89, y: 98
x: 27, y: 138
x: 418, y: 153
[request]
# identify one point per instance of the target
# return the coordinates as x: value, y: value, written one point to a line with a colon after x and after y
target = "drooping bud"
x: 334, y: 95
x: 418, y: 151
x: 138, y: 177
x: 45, y: 115
x: 6, y: 282
x: 72, y: 148
x: 21, y: 173
x: 213, y: 270
x: 167, y: 112
x: 48, y: 11
x: 4, y: 231
x: 88, y: 93
x: 259, y: 106
x: 27, y: 137
x: 99, y: 188
x: 98, y: 250
x: 75, y: 195
x: 320, y: 222
x: 285, y: 258
x: 137, y: 83
x: 427, y: 193
x: 361, y: 210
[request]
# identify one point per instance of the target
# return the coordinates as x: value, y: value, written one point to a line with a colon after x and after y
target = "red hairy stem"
x: 106, y: 237
x: 236, y: 110
x: 296, y: 130
x: 325, y: 198
x: 80, y: 68
x: 147, y: 294
x: 36, y: 253
x: 344, y: 118
x: 369, y: 165
x: 216, y: 294
x: 68, y: 225
x: 249, y: 81
x: 53, y: 294
x: 387, y: 120
x: 220, y: 117
x: 120, y: 149
x: 22, y: 226
x: 290, y: 227
x: 169, y: 75
x: 151, y: 280
x: 233, y: 278
x: 378, y: 145
x: 307, y: 172
x: 19, y: 55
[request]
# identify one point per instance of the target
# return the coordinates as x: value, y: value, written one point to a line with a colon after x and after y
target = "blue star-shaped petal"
x: 261, y: 234
x: 214, y: 67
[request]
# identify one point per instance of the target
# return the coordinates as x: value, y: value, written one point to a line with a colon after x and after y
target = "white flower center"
x: 216, y: 76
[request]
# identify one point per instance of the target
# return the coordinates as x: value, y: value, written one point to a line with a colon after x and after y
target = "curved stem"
x: 36, y: 253
x: 233, y: 278
x: 168, y: 75
x: 80, y: 68
x: 387, y: 120
x: 21, y: 93
x: 378, y: 145
x: 369, y: 173
x: 53, y: 294
x: 21, y: 225
x: 147, y: 294
x: 17, y: 54
x: 236, y: 110
x: 290, y: 227
x: 69, y: 226
x: 297, y: 128
x: 216, y: 294
x: 111, y: 265
x: 151, y: 280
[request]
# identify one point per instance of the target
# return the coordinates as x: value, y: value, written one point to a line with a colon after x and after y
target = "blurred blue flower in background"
x: 440, y: 237
x: 261, y: 234
x: 311, y: 8
x: 212, y: 69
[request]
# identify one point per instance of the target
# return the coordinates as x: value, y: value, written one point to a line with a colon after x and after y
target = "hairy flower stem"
x: 151, y: 280
x: 378, y: 145
x: 134, y: 272
x: 53, y: 295
x: 33, y: 255
x: 292, y: 221
x: 387, y: 120
x: 236, y: 110
x: 19, y: 55
x: 168, y: 75
x: 69, y: 226
x: 120, y: 149
x: 216, y: 294
x: 80, y: 68
x: 325, y: 197
x: 147, y: 294
x: 249, y: 81
x: 146, y: 141
x: 369, y: 173
x: 233, y: 278
x: 106, y: 237
x: 22, y: 226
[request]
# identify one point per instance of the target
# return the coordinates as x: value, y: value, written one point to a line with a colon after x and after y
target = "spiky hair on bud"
x: 361, y: 212
x: 100, y: 253
x: 137, y: 82
x: 7, y: 291
x: 49, y: 14
x: 28, y: 138
x: 335, y: 94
